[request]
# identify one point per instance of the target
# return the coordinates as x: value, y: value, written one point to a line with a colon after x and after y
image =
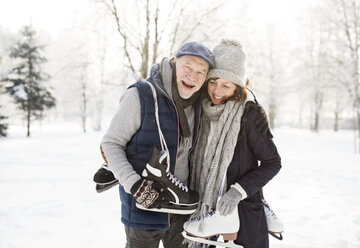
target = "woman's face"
x: 220, y: 90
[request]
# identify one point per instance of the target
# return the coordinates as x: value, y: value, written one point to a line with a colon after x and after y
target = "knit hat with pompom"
x: 230, y: 62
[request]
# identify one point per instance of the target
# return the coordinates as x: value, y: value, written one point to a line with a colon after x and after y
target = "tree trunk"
x: 156, y: 39
x: 272, y: 113
x: 98, y: 115
x: 316, y: 122
x: 145, y: 48
x: 83, y: 114
x: 318, y: 105
x: 28, y: 121
x: 358, y: 130
x: 336, y: 121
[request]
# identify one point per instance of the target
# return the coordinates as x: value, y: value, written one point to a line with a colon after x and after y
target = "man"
x: 129, y: 142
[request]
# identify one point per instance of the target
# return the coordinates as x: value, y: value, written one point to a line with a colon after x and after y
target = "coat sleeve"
x: 123, y: 126
x: 264, y: 151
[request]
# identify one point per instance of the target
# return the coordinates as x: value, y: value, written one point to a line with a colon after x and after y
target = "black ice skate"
x: 174, y: 196
x: 104, y: 179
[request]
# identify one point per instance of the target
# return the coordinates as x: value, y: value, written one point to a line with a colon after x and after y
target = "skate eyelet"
x: 177, y: 182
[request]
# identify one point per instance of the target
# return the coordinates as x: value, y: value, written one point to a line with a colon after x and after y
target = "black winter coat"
x: 252, y: 147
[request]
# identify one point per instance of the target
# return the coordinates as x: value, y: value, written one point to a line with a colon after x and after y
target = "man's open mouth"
x: 187, y: 85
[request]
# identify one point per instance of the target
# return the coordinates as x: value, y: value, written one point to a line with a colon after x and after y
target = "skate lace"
x: 207, y: 215
x: 177, y: 182
x: 269, y: 212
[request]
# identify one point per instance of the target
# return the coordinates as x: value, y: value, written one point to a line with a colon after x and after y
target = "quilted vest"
x: 139, y: 149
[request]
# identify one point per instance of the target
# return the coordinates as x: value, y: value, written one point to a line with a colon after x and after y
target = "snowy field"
x: 48, y: 198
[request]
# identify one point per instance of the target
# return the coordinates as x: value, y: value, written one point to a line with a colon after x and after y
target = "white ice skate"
x: 275, y: 225
x: 214, y: 224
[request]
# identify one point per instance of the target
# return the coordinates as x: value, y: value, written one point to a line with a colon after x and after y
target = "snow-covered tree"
x: 25, y: 81
x: 3, y: 125
x: 150, y: 27
x: 345, y: 17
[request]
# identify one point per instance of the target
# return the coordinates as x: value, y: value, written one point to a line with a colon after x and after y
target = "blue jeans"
x: 213, y: 238
x: 172, y: 238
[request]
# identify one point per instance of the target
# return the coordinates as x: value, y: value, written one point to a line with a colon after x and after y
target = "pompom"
x: 231, y: 42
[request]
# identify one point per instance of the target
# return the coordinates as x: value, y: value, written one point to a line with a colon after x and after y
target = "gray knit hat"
x: 230, y: 62
x: 196, y: 49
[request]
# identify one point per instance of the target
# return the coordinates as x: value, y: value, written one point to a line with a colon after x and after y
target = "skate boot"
x: 212, y: 225
x: 174, y: 196
x: 275, y: 225
x: 104, y: 179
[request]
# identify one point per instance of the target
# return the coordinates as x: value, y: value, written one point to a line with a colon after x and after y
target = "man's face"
x: 191, y: 73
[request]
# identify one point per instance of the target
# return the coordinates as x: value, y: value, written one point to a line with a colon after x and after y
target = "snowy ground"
x: 48, y: 197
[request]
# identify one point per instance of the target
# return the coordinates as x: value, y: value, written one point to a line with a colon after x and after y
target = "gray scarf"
x: 208, y: 172
x: 168, y: 76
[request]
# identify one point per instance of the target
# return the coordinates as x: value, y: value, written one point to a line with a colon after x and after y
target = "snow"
x: 316, y: 192
x: 48, y: 198
x: 20, y: 92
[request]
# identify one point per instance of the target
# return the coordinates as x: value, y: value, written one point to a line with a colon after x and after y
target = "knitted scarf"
x: 208, y: 171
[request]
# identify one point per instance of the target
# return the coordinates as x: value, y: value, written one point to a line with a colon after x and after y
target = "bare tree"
x: 314, y: 78
x: 84, y: 95
x: 156, y: 24
x: 272, y: 77
x: 267, y: 71
x: 347, y: 19
x: 102, y: 49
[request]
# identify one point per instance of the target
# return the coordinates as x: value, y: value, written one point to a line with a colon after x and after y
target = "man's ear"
x: 174, y: 60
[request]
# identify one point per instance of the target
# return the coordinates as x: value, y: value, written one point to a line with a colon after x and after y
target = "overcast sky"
x: 52, y: 16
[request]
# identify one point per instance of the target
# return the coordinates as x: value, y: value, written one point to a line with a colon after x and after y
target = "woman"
x: 228, y: 147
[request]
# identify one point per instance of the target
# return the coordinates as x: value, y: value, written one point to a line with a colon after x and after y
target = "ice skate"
x: 275, y: 225
x: 174, y: 196
x: 104, y: 179
x: 214, y: 224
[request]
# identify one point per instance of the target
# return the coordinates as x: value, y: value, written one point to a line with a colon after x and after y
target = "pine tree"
x: 3, y: 126
x: 25, y: 82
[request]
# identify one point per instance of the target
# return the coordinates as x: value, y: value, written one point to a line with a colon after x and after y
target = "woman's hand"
x: 229, y: 201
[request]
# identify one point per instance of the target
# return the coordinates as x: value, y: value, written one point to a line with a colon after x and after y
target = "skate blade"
x: 101, y: 188
x: 185, y: 204
x: 107, y: 183
x: 229, y: 244
x: 167, y: 210
x: 276, y: 235
x: 226, y: 236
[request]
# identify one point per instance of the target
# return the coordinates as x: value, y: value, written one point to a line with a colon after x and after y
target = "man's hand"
x: 144, y: 192
x: 261, y: 122
x: 229, y: 201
